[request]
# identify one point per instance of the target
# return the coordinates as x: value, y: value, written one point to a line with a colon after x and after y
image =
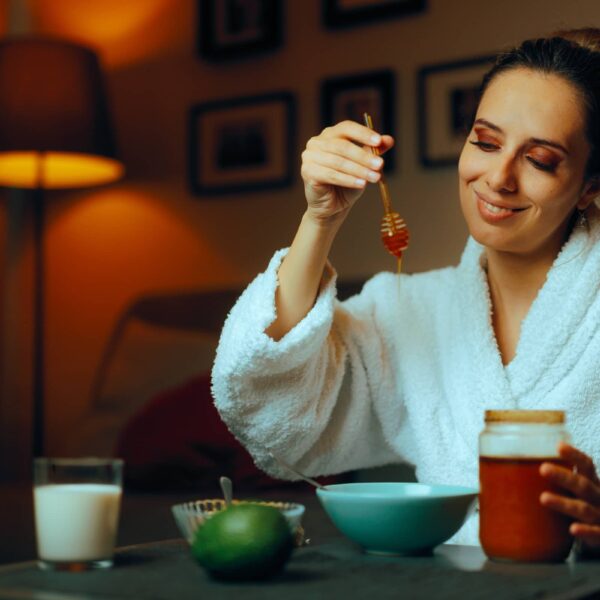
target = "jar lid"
x: 524, y: 416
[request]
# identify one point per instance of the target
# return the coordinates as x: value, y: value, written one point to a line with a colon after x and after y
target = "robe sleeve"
x: 308, y: 397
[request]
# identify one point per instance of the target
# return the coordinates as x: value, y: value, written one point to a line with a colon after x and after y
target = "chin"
x: 492, y: 239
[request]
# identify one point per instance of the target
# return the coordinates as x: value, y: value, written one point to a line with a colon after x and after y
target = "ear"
x: 591, y: 190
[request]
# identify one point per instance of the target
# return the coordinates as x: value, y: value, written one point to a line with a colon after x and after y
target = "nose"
x: 501, y: 176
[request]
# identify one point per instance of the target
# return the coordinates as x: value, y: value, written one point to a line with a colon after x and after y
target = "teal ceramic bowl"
x: 397, y: 518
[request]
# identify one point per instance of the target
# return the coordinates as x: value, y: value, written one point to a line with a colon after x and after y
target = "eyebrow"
x: 540, y: 141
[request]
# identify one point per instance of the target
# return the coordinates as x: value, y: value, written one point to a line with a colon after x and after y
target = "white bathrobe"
x: 404, y: 370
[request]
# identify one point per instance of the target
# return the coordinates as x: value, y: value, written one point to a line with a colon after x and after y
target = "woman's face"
x: 522, y: 168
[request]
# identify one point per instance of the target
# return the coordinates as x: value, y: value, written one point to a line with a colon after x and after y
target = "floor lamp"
x: 54, y: 134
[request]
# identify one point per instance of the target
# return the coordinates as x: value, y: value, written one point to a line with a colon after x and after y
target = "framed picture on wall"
x: 347, y: 13
x: 447, y: 94
x: 241, y: 144
x: 234, y: 29
x: 350, y: 96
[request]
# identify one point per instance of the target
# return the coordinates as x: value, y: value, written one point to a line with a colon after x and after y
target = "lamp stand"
x: 38, y: 432
x: 52, y: 106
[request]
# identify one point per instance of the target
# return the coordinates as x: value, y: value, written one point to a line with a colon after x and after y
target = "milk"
x: 76, y: 522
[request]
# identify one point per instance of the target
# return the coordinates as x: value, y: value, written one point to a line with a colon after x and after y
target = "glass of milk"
x: 76, y: 505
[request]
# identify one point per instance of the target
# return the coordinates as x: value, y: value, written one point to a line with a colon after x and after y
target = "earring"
x: 582, y: 222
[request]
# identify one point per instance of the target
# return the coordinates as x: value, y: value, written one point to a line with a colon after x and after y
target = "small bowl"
x: 190, y: 515
x: 397, y: 518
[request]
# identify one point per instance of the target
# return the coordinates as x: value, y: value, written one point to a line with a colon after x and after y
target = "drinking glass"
x: 76, y: 506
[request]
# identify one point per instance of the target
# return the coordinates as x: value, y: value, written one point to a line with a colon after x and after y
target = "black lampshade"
x: 55, y: 129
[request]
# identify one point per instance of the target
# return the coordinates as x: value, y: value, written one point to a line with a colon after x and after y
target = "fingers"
x: 575, y: 482
x: 585, y: 528
x: 588, y: 536
x: 344, y: 156
x: 588, y: 533
x: 334, y: 158
x: 315, y: 175
x: 572, y: 507
x: 387, y: 142
x: 361, y: 135
x: 586, y: 516
x: 582, y: 482
x: 355, y: 132
x: 575, y: 457
x: 366, y: 139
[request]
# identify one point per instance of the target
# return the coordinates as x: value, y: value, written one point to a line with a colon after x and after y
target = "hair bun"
x: 586, y: 37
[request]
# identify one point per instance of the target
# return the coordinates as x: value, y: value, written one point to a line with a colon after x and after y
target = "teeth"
x: 496, y: 209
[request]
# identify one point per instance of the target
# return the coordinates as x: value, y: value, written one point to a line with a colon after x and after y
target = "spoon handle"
x: 227, y: 489
x: 289, y: 467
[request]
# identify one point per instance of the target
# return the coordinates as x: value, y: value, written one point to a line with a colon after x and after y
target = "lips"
x: 493, y: 211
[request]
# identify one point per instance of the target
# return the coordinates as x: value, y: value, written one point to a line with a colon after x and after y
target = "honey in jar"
x: 513, y: 524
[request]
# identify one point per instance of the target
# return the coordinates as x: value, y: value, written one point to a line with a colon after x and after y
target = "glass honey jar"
x: 513, y: 524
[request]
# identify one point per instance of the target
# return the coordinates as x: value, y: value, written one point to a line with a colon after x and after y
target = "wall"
x: 106, y: 247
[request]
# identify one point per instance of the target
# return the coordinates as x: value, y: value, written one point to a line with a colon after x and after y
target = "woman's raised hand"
x: 336, y: 166
x: 582, y: 499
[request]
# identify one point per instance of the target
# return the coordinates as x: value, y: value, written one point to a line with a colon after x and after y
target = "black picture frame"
x: 349, y: 96
x: 237, y: 29
x: 447, y: 98
x: 338, y: 13
x: 241, y: 144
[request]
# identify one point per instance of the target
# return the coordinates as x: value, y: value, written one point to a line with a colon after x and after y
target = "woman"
x: 405, y: 370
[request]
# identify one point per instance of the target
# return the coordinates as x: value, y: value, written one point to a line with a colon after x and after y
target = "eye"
x: 543, y: 159
x: 485, y: 146
x: 542, y: 166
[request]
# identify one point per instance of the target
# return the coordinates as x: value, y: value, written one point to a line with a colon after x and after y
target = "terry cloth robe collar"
x: 475, y: 364
x: 556, y: 324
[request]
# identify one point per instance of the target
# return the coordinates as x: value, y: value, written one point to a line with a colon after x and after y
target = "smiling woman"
x: 405, y: 370
x: 522, y: 167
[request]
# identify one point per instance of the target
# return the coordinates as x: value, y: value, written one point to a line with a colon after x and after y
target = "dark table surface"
x: 329, y: 567
x: 333, y: 569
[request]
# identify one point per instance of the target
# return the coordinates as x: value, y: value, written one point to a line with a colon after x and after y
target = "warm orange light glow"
x: 56, y: 170
x: 123, y: 32
x: 132, y: 235
x: 135, y: 240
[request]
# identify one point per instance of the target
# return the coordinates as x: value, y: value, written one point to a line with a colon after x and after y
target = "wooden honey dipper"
x: 394, y: 232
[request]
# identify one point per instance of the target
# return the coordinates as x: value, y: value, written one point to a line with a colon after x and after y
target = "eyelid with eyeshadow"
x: 545, y: 155
x: 487, y: 143
x: 549, y: 165
x: 547, y: 145
x: 484, y: 126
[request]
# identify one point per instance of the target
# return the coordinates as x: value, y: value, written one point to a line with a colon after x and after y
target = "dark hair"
x: 573, y: 55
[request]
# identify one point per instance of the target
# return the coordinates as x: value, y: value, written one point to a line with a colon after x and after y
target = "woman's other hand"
x: 336, y: 166
x: 582, y: 503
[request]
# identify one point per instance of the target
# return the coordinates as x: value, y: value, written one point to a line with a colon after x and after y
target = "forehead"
x: 534, y: 104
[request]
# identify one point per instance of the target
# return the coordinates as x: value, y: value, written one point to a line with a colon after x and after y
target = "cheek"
x: 550, y: 197
x: 469, y: 165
